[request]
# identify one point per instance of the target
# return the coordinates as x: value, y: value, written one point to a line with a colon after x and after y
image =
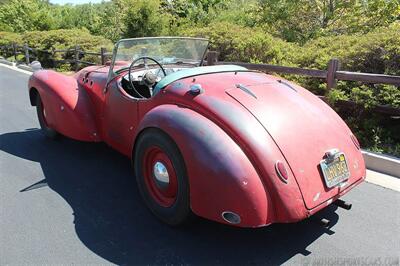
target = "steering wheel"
x: 149, y: 79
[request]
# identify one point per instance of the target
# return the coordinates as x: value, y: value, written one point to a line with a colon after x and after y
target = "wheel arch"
x: 68, y: 105
x: 221, y: 177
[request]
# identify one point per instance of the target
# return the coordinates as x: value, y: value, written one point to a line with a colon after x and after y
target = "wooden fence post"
x: 103, y: 55
x: 14, y: 47
x: 8, y: 50
x: 53, y: 57
x: 333, y: 66
x: 76, y: 58
x: 26, y: 48
x: 212, y: 58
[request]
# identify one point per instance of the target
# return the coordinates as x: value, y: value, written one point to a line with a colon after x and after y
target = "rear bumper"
x: 331, y: 200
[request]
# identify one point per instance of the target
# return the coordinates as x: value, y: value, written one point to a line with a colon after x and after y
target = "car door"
x: 93, y: 82
x: 120, y: 118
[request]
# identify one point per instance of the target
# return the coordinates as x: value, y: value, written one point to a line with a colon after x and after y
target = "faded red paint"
x: 230, y: 140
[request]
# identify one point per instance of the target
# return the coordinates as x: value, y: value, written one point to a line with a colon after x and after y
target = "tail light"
x: 355, y: 141
x: 281, y: 171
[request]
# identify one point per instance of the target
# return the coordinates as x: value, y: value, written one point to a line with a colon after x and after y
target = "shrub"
x: 238, y: 43
x: 375, y: 52
x: 58, y: 40
x: 63, y: 39
x: 7, y: 38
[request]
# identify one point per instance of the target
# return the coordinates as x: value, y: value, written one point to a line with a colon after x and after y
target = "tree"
x: 302, y: 20
x: 145, y: 18
x: 20, y: 16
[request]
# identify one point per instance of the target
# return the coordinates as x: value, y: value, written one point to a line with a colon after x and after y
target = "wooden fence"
x: 330, y: 75
x: 75, y: 53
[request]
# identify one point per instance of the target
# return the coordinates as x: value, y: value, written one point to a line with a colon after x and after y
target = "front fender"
x: 221, y: 177
x: 68, y: 108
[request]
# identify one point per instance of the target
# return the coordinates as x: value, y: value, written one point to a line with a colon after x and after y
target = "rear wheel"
x: 41, y: 113
x: 161, y: 177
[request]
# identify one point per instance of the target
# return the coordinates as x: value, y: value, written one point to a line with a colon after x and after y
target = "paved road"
x: 73, y: 202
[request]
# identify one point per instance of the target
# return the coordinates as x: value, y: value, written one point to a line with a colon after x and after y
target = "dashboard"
x: 137, y: 75
x: 137, y: 80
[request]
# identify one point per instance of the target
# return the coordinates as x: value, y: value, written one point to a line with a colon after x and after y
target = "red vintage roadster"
x: 225, y: 143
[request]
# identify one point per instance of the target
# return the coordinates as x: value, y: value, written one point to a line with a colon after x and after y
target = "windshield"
x: 166, y: 50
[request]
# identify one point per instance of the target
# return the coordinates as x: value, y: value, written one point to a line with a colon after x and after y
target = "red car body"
x: 230, y: 138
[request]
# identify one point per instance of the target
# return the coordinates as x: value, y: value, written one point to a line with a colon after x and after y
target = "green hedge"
x: 62, y: 39
x: 374, y: 52
x: 7, y: 38
x: 58, y: 39
x: 244, y: 44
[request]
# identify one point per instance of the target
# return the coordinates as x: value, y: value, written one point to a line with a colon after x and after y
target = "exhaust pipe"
x: 231, y: 217
x: 342, y: 204
x: 325, y: 222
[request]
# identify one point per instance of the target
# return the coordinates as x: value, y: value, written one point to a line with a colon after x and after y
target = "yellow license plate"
x: 335, y: 171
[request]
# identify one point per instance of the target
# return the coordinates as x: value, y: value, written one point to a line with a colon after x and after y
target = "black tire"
x: 179, y: 212
x: 46, y: 130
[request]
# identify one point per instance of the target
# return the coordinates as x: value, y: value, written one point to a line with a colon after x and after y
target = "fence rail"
x: 330, y: 75
x: 322, y: 74
x: 315, y: 73
x: 75, y: 53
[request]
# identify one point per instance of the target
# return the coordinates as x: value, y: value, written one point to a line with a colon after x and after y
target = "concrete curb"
x: 383, y: 180
x: 382, y: 163
x: 13, y: 67
x: 25, y: 67
x: 20, y: 66
x: 6, y: 62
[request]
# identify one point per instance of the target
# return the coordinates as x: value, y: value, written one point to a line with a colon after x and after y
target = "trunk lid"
x: 304, y: 128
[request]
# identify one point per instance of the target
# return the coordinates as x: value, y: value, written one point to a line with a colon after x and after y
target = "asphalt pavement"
x: 70, y: 202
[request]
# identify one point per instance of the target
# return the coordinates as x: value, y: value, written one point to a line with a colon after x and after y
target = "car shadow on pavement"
x: 113, y: 222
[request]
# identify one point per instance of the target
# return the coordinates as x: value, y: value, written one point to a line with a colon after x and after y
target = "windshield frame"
x: 112, y: 74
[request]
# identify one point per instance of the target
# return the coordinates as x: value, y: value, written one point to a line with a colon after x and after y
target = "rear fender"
x: 221, y: 177
x: 68, y: 108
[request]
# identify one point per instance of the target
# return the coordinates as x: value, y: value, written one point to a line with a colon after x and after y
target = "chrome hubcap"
x: 161, y: 174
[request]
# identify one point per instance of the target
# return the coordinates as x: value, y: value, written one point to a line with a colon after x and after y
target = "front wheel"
x: 161, y: 177
x: 41, y: 113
